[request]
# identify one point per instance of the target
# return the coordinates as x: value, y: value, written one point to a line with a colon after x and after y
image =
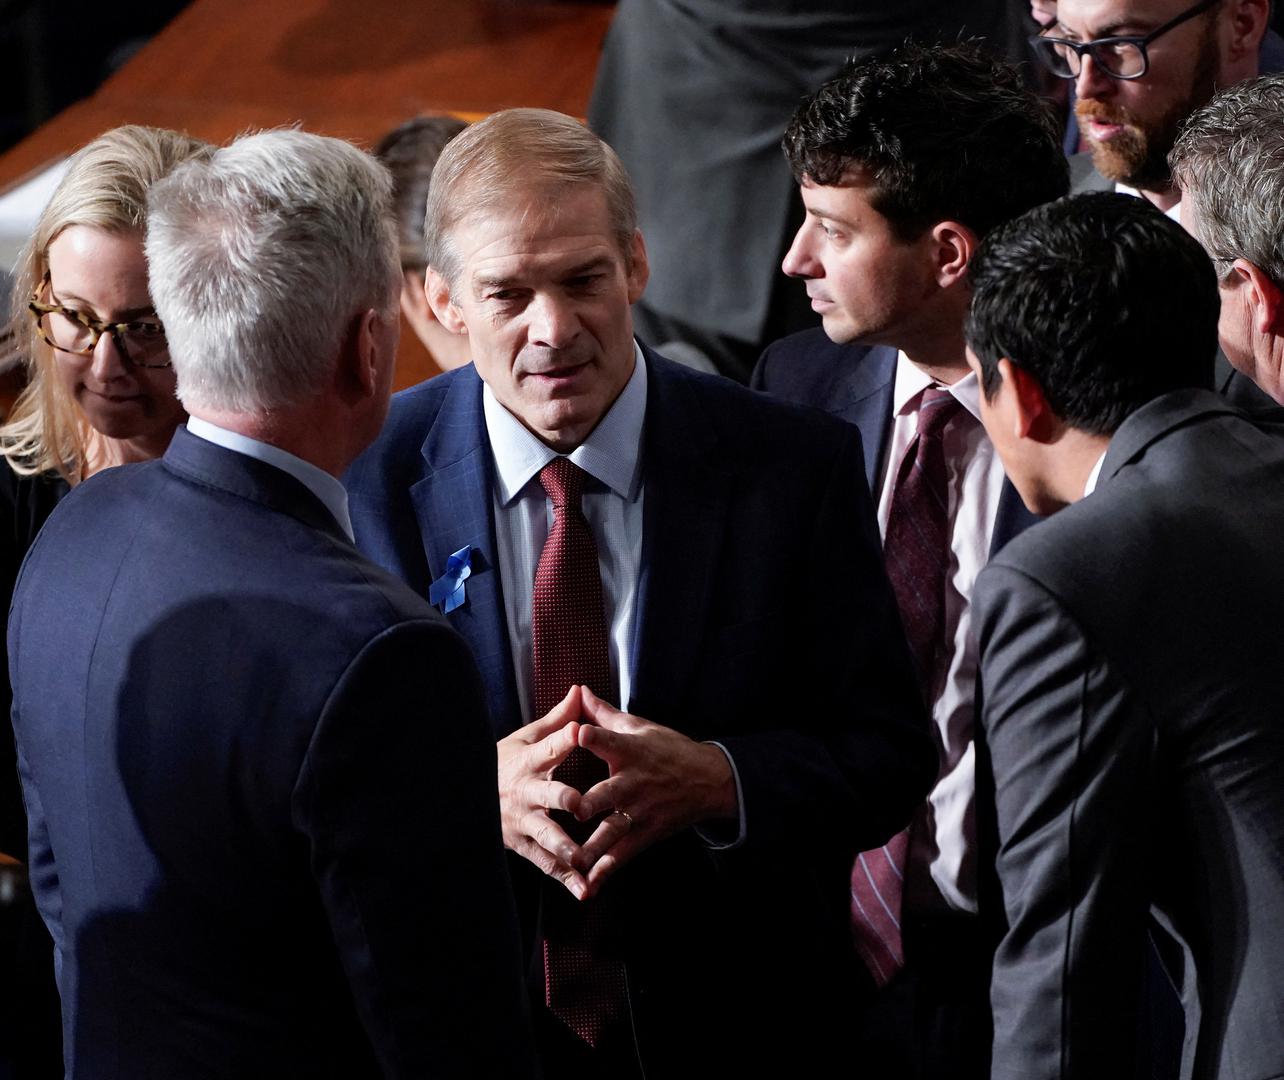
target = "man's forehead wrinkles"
x: 500, y: 260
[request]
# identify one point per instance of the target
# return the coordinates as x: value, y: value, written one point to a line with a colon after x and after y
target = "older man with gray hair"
x: 702, y: 699
x: 224, y: 714
x: 1229, y: 161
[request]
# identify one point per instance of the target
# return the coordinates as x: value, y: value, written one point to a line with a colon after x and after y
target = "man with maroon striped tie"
x: 905, y: 162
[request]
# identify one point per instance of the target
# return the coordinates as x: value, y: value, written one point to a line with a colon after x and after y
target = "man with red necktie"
x: 674, y: 590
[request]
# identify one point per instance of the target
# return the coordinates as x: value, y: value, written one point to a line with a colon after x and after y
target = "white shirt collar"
x: 912, y: 380
x: 1173, y: 211
x: 612, y: 453
x: 1095, y: 475
x: 324, y: 486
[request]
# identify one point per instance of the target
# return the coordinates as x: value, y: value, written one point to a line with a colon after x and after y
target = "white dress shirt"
x: 946, y: 849
x: 612, y: 504
x: 1173, y: 212
x: 324, y: 486
x: 1095, y: 475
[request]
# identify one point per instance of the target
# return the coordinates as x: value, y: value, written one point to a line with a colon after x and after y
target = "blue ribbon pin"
x: 448, y: 590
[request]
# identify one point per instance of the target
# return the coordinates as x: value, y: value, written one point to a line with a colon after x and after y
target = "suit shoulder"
x: 412, y: 410
x: 109, y: 494
x: 759, y: 428
x: 1192, y: 497
x: 393, y: 460
x: 810, y: 369
x: 806, y: 345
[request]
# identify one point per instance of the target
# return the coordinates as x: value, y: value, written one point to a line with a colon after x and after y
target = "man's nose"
x: 1092, y: 83
x: 800, y: 261
x: 554, y: 322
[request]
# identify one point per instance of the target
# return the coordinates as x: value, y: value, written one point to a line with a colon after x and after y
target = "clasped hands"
x: 660, y: 782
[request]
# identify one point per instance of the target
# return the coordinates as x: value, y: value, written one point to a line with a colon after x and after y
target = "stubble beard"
x: 1138, y: 155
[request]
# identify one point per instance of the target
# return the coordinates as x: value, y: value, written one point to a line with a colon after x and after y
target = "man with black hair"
x: 905, y: 163
x: 1128, y: 648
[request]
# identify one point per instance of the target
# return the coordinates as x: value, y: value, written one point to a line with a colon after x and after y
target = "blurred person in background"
x: 694, y: 96
x: 410, y: 151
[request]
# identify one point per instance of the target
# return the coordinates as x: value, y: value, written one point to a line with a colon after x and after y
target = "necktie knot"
x: 936, y: 409
x: 563, y: 482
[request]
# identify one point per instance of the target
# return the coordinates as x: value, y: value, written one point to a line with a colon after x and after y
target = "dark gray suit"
x: 1132, y: 711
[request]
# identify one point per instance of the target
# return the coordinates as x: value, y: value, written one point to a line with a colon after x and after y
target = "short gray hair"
x: 521, y: 150
x: 1229, y: 160
x: 260, y: 258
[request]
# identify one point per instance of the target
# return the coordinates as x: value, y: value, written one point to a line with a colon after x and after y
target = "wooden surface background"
x: 350, y: 68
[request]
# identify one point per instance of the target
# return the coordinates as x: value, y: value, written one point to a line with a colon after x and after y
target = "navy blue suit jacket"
x: 855, y: 383
x: 765, y: 621
x: 232, y: 731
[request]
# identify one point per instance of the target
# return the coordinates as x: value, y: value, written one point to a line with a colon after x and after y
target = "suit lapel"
x: 868, y: 405
x: 684, y: 520
x: 453, y: 508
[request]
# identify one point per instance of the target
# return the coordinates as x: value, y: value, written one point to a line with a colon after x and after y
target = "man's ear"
x: 1265, y: 299
x: 1247, y: 21
x: 639, y: 270
x: 954, y: 244
x: 437, y: 292
x: 1032, y: 417
x: 357, y: 372
x: 414, y: 297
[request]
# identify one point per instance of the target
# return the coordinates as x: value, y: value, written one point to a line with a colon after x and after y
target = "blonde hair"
x: 105, y: 187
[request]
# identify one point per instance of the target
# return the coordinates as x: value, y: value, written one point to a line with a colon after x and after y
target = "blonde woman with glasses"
x: 100, y: 392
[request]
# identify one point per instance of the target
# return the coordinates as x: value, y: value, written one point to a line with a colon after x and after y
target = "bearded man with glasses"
x: 1140, y: 67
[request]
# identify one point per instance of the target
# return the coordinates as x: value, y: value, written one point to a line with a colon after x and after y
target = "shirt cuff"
x: 719, y: 837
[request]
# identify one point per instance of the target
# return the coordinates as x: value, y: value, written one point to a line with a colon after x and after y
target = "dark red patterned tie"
x: 916, y: 550
x: 583, y: 986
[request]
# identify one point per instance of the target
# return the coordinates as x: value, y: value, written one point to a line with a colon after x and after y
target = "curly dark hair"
x: 942, y: 132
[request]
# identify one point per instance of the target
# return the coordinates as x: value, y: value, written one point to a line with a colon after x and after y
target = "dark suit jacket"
x: 855, y: 383
x: 260, y: 784
x: 1130, y: 656
x: 948, y: 1034
x: 765, y: 621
